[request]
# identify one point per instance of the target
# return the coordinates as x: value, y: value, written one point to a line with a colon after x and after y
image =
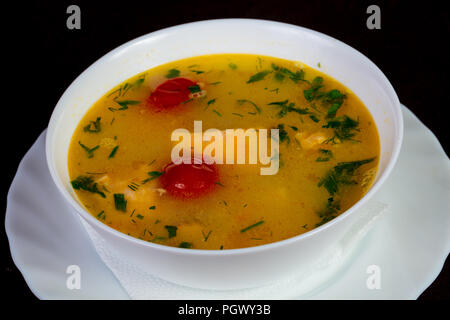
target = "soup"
x: 122, y: 172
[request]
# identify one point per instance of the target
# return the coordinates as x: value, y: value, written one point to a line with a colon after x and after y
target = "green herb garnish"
x: 113, y: 152
x: 93, y: 126
x: 259, y: 76
x: 205, y: 237
x: 242, y: 101
x: 120, y: 202
x: 159, y: 239
x: 185, y: 245
x: 87, y: 184
x: 286, y: 107
x: 341, y: 174
x: 312, y: 93
x: 283, y: 134
x: 173, y: 73
x: 275, y: 90
x: 329, y: 212
x: 153, y: 175
x: 281, y: 73
x: 252, y: 226
x: 101, y: 215
x: 194, y: 88
x: 123, y: 89
x: 172, y: 230
x: 333, y: 98
x: 128, y: 86
x: 326, y: 155
x: 125, y: 103
x: 89, y: 151
x: 344, y: 129
x: 314, y: 118
x: 133, y: 186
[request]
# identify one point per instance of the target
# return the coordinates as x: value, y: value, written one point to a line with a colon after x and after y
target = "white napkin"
x: 140, y: 284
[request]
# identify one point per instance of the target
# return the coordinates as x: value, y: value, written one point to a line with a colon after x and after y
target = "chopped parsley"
x: 313, y: 92
x: 93, y: 126
x: 87, y: 184
x: 326, y: 155
x: 173, y: 73
x: 113, y: 152
x: 206, y: 236
x: 133, y: 186
x: 281, y: 73
x: 333, y: 98
x: 89, y: 151
x: 258, y: 76
x: 275, y: 90
x: 195, y: 88
x: 185, y: 245
x: 344, y: 129
x: 329, y: 212
x: 217, y: 112
x: 197, y: 71
x: 119, y: 202
x: 283, y: 134
x: 242, y: 101
x: 123, y: 89
x: 140, y: 216
x: 232, y: 66
x: 314, y: 118
x: 101, y: 215
x: 136, y: 84
x: 172, y: 230
x: 286, y: 107
x: 125, y: 103
x: 153, y: 175
x: 341, y: 174
x: 252, y: 226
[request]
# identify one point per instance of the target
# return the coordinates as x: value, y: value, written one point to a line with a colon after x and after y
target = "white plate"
x: 409, y: 244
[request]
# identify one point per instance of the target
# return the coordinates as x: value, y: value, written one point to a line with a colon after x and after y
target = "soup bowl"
x: 236, y: 268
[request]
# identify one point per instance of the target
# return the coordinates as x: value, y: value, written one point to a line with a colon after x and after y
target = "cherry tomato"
x: 171, y: 93
x: 189, y: 181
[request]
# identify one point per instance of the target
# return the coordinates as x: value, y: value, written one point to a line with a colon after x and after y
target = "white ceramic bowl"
x: 237, y: 268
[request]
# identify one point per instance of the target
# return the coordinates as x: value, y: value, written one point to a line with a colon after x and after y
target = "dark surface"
x: 408, y: 49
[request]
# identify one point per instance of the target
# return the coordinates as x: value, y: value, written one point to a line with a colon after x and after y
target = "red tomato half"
x: 171, y: 93
x: 189, y: 181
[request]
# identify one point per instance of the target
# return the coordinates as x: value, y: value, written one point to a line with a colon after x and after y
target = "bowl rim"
x: 397, y: 142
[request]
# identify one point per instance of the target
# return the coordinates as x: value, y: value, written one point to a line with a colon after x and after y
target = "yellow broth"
x: 319, y: 175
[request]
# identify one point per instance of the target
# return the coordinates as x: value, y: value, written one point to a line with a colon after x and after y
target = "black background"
x: 46, y: 57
